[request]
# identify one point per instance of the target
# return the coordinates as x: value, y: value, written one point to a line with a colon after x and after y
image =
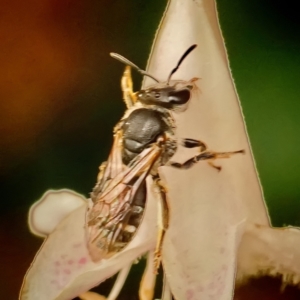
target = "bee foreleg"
x: 207, y: 155
x: 129, y: 96
x: 163, y: 220
x: 191, y: 143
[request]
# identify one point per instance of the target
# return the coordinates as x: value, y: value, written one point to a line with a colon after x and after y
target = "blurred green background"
x: 60, y: 99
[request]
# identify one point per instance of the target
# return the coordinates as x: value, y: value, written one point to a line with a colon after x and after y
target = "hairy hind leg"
x: 163, y: 220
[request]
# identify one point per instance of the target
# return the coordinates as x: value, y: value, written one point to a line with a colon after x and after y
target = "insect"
x: 144, y: 139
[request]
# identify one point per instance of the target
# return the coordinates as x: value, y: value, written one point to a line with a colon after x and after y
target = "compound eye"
x: 179, y: 97
x: 157, y: 95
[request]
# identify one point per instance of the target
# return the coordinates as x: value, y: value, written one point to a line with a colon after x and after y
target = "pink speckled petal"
x: 208, y: 209
x: 62, y: 269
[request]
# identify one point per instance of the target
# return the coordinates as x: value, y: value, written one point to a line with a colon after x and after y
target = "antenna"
x: 129, y: 63
x: 185, y: 54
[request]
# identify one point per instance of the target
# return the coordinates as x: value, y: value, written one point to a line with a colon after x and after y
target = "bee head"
x: 164, y: 94
x: 169, y: 97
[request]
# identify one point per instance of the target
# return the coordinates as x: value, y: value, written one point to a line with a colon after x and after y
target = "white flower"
x: 219, y: 225
x: 62, y: 269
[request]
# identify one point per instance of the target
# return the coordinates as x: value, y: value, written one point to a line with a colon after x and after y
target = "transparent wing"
x: 112, y: 199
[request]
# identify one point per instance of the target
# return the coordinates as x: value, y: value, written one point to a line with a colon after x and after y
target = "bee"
x: 144, y: 139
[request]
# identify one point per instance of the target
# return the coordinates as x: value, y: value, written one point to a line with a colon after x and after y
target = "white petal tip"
x: 54, y: 205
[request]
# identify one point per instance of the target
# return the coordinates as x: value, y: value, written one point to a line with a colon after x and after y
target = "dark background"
x: 60, y: 98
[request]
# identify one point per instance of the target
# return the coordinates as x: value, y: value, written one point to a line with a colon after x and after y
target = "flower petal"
x: 208, y: 209
x: 51, y: 209
x: 63, y: 269
x: 270, y: 251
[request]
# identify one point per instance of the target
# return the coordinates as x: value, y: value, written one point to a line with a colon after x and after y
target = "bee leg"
x: 191, y: 143
x: 129, y: 96
x: 163, y: 220
x: 207, y: 155
x: 218, y: 168
x: 147, y: 285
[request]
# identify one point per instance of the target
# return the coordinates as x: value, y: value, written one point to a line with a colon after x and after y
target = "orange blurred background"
x: 43, y: 56
x: 60, y: 98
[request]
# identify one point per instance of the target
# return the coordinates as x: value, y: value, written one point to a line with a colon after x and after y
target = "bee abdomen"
x: 132, y: 225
